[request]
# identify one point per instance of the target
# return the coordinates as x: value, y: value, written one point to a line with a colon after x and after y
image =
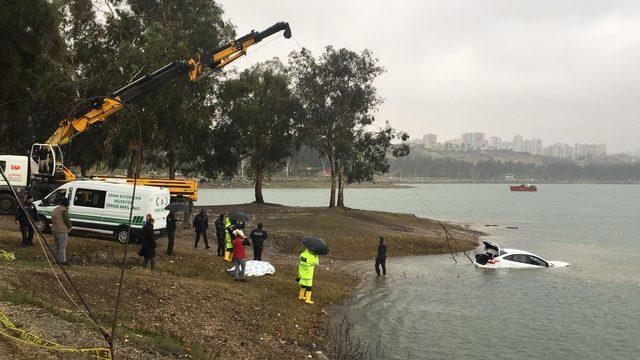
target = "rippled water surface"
x: 431, y: 308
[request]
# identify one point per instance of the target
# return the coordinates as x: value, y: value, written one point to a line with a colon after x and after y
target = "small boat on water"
x: 523, y: 187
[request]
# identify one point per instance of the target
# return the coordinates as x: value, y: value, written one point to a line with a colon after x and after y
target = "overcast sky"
x: 562, y: 71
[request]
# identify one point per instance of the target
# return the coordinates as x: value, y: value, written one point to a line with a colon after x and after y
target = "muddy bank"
x: 191, y: 306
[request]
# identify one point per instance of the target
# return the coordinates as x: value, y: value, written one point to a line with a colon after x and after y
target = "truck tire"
x: 7, y: 204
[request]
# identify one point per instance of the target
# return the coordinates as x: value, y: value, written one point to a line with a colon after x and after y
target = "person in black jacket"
x: 21, y: 219
x: 149, y: 245
x: 381, y: 258
x: 220, y: 235
x: 171, y: 231
x: 201, y: 224
x: 258, y: 236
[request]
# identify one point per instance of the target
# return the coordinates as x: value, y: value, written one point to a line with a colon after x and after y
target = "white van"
x: 103, y: 207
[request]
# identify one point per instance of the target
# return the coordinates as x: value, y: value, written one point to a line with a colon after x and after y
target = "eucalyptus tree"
x: 261, y: 118
x: 339, y: 98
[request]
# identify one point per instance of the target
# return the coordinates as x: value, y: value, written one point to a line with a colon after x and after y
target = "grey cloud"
x: 563, y: 71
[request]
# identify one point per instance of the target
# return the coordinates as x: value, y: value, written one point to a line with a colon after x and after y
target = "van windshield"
x: 55, y: 197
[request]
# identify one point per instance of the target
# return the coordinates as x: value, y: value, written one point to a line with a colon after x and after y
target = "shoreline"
x: 184, y: 283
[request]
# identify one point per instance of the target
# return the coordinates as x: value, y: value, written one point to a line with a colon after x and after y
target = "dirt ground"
x: 191, y: 308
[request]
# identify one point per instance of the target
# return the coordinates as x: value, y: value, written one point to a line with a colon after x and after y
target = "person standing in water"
x: 381, y: 258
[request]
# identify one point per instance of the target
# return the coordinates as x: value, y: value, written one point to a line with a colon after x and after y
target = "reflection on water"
x: 431, y: 308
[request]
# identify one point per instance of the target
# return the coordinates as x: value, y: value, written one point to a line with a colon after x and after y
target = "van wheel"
x: 42, y: 224
x: 122, y: 235
x: 7, y: 204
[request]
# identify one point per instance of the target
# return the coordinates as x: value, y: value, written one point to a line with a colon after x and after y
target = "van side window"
x: 90, y: 198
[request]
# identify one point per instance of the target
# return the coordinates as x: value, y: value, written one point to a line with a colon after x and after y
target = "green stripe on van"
x: 137, y: 220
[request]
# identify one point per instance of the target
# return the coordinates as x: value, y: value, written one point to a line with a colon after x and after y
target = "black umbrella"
x: 177, y: 207
x: 239, y: 217
x: 316, y: 245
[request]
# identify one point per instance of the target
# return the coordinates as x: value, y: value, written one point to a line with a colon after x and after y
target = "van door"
x: 87, y: 210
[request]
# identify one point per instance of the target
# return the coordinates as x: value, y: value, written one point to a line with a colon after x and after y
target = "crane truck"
x: 44, y: 169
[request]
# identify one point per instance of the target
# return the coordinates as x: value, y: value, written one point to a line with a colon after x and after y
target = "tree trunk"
x: 340, y: 183
x: 258, y: 188
x: 172, y: 158
x: 83, y: 170
x: 135, y: 163
x: 332, y: 165
x: 132, y: 165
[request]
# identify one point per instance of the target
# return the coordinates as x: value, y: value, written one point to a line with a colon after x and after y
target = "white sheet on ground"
x: 256, y: 268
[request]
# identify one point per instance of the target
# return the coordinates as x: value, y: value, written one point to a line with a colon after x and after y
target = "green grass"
x: 20, y: 298
x: 164, y: 342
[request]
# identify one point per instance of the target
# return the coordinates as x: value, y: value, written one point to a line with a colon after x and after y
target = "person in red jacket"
x: 239, y: 254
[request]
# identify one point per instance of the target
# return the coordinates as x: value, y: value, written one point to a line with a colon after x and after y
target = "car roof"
x: 516, y: 251
x: 114, y: 186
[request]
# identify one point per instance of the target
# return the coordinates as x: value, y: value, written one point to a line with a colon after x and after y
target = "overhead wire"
x: 112, y: 336
x: 45, y: 246
x: 448, y: 236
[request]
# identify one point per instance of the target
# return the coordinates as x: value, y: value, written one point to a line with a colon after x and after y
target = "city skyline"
x: 436, y: 138
x: 534, y: 146
x: 611, y: 148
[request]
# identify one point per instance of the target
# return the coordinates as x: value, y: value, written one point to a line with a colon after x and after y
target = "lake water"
x: 428, y: 307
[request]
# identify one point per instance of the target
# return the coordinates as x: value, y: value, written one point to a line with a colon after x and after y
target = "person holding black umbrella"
x: 307, y: 262
x: 235, y: 221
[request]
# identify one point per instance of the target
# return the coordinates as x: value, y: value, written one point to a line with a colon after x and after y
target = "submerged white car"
x: 497, y: 258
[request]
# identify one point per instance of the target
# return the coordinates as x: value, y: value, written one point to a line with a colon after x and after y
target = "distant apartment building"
x: 430, y: 140
x: 561, y: 151
x: 473, y: 140
x: 518, y: 143
x: 495, y: 142
x: 454, y: 145
x: 590, y: 151
x: 532, y: 146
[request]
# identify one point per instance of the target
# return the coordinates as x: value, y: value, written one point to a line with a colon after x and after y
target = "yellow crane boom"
x: 98, y: 111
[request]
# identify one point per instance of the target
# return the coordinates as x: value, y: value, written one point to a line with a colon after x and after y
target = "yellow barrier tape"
x: 32, y: 339
x: 6, y: 255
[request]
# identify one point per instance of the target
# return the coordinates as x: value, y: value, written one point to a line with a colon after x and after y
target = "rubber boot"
x: 301, y: 293
x: 227, y: 256
x: 308, y: 297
